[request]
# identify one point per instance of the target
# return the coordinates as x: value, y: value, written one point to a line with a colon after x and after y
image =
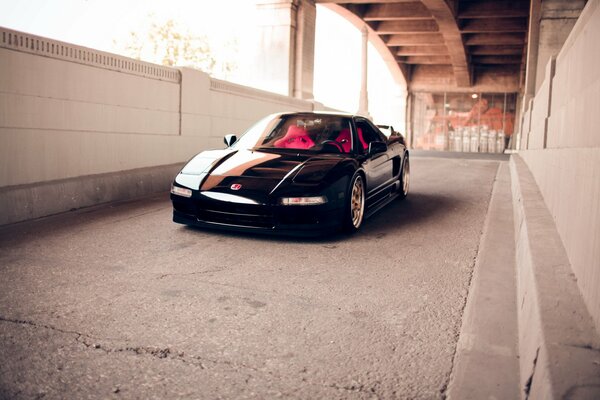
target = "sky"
x: 106, y: 25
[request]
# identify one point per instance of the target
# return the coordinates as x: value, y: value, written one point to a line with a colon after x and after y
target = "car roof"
x: 325, y: 113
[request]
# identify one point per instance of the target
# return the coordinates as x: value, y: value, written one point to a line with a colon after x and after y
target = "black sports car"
x: 295, y: 173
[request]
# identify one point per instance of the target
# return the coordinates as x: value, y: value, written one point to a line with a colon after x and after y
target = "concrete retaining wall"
x: 72, y: 117
x: 540, y: 109
x: 558, y: 342
x: 563, y: 151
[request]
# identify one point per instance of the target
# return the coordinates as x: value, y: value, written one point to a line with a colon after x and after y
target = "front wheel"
x: 355, y: 204
x: 404, y: 178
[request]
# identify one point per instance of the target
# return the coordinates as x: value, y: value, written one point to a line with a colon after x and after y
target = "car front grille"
x: 227, y: 213
x: 237, y: 219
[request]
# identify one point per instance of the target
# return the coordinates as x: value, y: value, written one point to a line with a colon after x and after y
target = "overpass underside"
x: 470, y: 46
x: 461, y: 64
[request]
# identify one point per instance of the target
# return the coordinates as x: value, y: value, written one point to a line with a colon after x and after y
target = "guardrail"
x: 245, y: 91
x: 28, y: 43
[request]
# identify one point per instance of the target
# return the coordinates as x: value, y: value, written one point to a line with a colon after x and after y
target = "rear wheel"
x: 404, y: 178
x: 355, y: 204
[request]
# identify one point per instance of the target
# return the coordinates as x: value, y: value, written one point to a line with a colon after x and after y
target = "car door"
x: 378, y: 167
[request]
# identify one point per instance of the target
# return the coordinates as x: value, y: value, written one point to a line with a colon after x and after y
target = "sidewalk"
x: 486, y: 364
x: 526, y: 331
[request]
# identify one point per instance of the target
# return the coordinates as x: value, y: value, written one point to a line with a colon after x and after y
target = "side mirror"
x: 377, y: 147
x: 230, y: 140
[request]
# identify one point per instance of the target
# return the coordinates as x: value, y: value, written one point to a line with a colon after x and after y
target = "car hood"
x: 255, y: 174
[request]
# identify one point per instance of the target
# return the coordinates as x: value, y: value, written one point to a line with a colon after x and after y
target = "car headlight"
x: 179, y: 191
x: 303, y: 201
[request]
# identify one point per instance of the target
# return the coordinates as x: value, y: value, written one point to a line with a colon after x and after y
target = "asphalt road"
x: 117, y: 301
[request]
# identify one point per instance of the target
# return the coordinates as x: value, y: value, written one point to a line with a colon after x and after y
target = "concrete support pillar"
x: 363, y: 102
x: 409, y: 125
x: 285, y: 57
x: 306, y: 19
x: 550, y: 24
x: 557, y: 19
x: 533, y: 40
x: 515, y: 139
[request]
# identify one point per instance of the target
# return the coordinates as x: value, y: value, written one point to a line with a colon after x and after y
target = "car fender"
x: 198, y: 167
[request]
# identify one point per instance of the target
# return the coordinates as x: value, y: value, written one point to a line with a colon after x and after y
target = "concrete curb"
x: 25, y: 202
x: 559, y: 347
x: 486, y: 365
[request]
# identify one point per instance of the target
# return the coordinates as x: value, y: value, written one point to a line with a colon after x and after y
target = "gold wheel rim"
x: 357, y: 202
x: 405, y: 177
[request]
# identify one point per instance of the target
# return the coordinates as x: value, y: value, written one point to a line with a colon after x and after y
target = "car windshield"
x: 305, y: 132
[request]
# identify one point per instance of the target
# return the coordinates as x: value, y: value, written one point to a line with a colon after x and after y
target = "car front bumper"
x: 307, y: 221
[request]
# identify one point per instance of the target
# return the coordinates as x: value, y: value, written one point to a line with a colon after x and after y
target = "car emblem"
x: 236, y: 186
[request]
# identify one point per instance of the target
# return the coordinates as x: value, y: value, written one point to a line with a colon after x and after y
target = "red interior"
x: 345, y: 136
x: 365, y: 145
x: 345, y: 140
x: 296, y: 137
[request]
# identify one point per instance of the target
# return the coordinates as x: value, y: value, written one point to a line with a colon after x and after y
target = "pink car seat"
x: 296, y: 137
x: 346, y: 142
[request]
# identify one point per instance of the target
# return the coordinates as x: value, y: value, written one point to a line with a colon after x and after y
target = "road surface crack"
x: 44, y: 326
x: 192, y: 273
x: 156, y: 352
x: 586, y: 346
x: 527, y: 387
x: 356, y: 387
x: 169, y: 353
x: 201, y: 362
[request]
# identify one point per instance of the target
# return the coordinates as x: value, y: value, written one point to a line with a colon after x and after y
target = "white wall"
x: 563, y: 150
x: 69, y: 112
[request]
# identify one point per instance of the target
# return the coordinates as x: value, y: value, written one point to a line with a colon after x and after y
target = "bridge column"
x: 285, y: 58
x: 363, y: 102
x: 551, y: 22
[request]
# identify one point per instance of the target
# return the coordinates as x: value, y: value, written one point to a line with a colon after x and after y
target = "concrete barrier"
x: 559, y: 346
x: 48, y: 198
x: 561, y: 147
x: 80, y: 126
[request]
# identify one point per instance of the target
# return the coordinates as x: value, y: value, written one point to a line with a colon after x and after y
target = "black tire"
x: 354, y: 210
x: 404, y: 178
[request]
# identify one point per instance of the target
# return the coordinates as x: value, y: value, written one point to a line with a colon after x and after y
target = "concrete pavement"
x: 118, y: 302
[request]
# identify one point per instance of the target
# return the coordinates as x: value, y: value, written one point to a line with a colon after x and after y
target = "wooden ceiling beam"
x: 495, y: 50
x: 421, y: 50
x: 418, y: 39
x: 405, y: 26
x: 510, y: 59
x: 444, y: 15
x: 392, y: 11
x: 459, y: 44
x: 493, y: 9
x: 494, y: 38
x: 431, y: 60
x: 494, y: 25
